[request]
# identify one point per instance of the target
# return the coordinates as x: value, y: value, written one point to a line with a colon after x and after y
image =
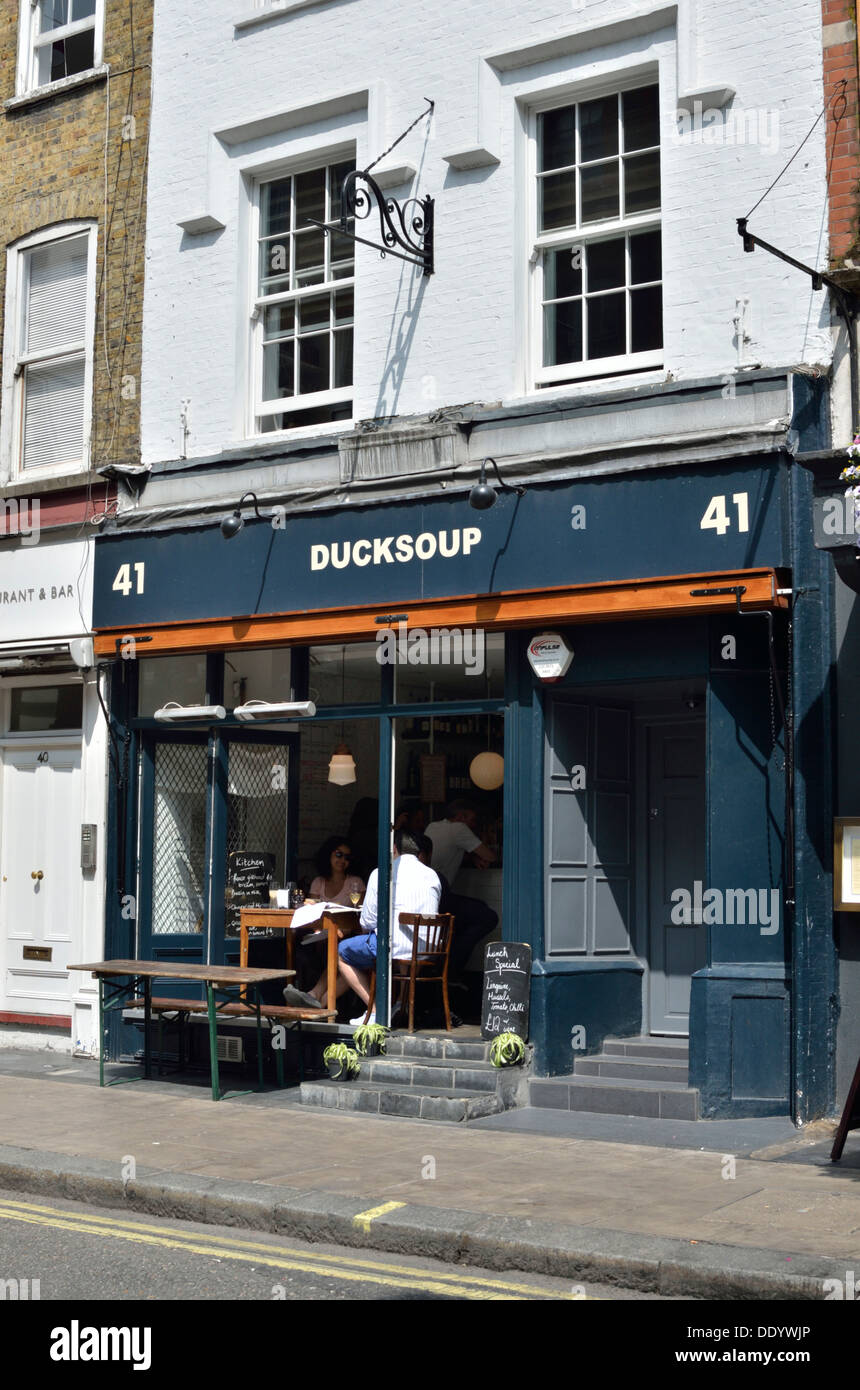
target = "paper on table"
x: 312, y: 912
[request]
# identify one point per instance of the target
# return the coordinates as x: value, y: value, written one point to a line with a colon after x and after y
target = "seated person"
x: 415, y: 888
x: 334, y: 883
x: 455, y: 836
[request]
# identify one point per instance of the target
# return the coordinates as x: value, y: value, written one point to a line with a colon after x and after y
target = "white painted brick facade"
x: 462, y: 334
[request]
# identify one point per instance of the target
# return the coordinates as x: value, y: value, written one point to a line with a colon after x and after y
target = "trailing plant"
x: 507, y: 1049
x: 370, y: 1035
x: 345, y: 1056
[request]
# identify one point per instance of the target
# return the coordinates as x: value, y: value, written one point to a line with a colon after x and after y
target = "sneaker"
x: 354, y: 1022
x: 298, y: 999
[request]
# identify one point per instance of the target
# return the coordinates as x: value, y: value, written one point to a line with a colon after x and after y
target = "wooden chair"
x: 437, y: 931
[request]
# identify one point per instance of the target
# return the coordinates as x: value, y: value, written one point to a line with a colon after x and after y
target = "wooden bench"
x: 271, y: 1012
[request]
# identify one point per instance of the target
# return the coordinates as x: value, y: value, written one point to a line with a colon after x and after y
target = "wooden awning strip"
x: 620, y: 601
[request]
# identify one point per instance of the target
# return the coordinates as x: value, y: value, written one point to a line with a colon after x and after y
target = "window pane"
x: 57, y: 294
x: 598, y: 128
x: 647, y: 319
x: 54, y: 413
x: 642, y: 182
x: 599, y: 192
x: 314, y: 312
x: 310, y: 258
x: 275, y: 266
x: 557, y: 138
x: 163, y: 678
x: 337, y: 174
x: 279, y: 370
x: 605, y: 264
x: 66, y: 57
x: 82, y: 9
x: 310, y: 197
x: 53, y: 14
x: 298, y: 418
x: 558, y: 201
x: 562, y: 273
x: 343, y: 306
x: 46, y: 707
x: 343, y: 357
x: 641, y: 117
x: 275, y: 208
x: 645, y: 258
x: 606, y: 326
x: 562, y: 339
x: 278, y: 322
x: 313, y: 364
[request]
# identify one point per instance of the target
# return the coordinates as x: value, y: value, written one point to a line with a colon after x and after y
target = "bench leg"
x: 101, y: 1030
x: 259, y: 1041
x: 213, y: 1043
x: 147, y: 1027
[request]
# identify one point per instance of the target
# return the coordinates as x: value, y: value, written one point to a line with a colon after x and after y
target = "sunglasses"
x: 342, y: 854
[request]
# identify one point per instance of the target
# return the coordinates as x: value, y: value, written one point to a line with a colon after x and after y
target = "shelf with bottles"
x: 473, y: 726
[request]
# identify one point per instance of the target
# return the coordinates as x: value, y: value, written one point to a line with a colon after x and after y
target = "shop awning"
x: 621, y: 601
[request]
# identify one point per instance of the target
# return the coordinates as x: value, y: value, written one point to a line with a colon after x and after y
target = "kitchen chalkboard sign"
x: 507, y: 980
x: 249, y: 874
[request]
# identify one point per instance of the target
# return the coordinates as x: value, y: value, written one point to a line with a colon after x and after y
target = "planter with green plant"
x: 507, y: 1050
x: 370, y: 1039
x: 342, y: 1061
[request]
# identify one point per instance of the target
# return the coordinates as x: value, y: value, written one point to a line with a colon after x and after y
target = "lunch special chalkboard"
x: 249, y: 874
x: 850, y: 1117
x: 507, y: 979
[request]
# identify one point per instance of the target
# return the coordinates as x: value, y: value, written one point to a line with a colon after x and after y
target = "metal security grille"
x: 179, y: 838
x: 257, y: 804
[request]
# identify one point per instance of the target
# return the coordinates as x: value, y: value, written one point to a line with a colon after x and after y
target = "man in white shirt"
x: 415, y: 888
x: 455, y: 836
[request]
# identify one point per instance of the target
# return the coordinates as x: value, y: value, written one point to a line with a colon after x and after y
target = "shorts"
x: 359, y: 951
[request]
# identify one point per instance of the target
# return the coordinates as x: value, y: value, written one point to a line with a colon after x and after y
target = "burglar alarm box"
x: 88, y: 846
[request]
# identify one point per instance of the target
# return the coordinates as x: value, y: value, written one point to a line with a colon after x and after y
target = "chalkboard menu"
x: 249, y: 874
x: 850, y: 1117
x: 507, y: 979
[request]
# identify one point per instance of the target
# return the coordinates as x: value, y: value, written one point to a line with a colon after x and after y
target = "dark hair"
x: 405, y: 842
x: 425, y: 847
x: 325, y: 853
x: 455, y: 807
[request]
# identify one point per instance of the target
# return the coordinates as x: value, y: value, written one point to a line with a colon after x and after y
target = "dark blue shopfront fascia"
x: 747, y: 1055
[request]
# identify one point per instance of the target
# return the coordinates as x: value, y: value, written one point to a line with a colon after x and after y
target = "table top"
x: 175, y: 970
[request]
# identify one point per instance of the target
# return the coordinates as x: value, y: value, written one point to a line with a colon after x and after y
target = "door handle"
x: 37, y: 873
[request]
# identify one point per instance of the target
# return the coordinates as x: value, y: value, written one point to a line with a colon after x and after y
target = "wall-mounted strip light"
x: 172, y: 711
x: 267, y: 709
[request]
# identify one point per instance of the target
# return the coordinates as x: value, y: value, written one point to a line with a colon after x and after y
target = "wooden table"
x: 125, y: 978
x: 281, y: 919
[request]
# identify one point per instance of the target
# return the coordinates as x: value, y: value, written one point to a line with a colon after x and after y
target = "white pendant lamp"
x: 487, y: 771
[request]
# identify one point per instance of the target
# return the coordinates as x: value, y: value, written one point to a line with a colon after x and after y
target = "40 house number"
x: 124, y: 584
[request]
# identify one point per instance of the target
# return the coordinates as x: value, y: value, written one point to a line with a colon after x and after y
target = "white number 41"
x: 716, y: 516
x: 123, y: 584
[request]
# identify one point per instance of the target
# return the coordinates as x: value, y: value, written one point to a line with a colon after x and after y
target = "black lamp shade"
x: 232, y: 525
x: 482, y: 497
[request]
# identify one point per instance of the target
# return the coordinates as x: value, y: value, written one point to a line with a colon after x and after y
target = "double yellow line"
x: 351, y: 1268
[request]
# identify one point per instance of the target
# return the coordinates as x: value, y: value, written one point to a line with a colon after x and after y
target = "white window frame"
x: 14, y: 360
x: 541, y: 377
x: 30, y: 41
x: 259, y: 408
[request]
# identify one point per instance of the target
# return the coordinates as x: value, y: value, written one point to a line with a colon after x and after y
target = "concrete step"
x: 445, y: 1045
x: 636, y: 1068
x: 666, y: 1048
x: 610, y: 1095
x: 411, y: 1102
x: 465, y: 1075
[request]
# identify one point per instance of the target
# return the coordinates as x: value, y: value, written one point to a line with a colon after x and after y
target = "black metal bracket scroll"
x: 408, y: 226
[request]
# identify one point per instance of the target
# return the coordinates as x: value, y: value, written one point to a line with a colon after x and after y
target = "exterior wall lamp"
x: 232, y: 525
x: 172, y: 710
x: 483, y: 494
x: 268, y: 709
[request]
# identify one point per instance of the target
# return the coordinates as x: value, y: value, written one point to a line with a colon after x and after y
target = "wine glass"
x: 355, y: 896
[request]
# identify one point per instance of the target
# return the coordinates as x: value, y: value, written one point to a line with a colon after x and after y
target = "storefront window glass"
x: 347, y: 674
x: 163, y: 678
x: 449, y: 664
x: 262, y: 674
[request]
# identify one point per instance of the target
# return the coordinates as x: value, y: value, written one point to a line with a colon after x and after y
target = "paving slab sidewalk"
x: 666, y: 1220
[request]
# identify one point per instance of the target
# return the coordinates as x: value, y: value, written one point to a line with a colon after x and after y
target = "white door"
x: 40, y: 875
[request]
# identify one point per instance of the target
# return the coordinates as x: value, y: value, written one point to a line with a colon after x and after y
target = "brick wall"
x: 73, y: 155
x: 839, y: 42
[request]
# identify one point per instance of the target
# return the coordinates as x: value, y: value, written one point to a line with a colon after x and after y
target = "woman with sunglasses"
x: 334, y: 883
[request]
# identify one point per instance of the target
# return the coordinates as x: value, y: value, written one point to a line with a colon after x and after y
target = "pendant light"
x: 341, y: 768
x: 487, y: 770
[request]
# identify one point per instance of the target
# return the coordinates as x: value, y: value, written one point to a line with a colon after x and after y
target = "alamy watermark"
x: 19, y: 516
x: 751, y: 907
x: 435, y: 646
x: 736, y: 125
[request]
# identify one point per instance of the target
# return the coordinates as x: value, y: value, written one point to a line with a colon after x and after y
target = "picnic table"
x: 344, y: 921
x: 120, y: 981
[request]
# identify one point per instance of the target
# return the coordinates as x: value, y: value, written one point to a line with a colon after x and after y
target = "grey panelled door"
x: 589, y: 890
x: 676, y: 859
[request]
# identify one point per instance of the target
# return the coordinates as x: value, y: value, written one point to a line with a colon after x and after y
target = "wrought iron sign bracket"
x: 408, y: 226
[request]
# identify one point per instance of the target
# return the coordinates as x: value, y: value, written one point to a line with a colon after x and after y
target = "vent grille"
x: 230, y: 1049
